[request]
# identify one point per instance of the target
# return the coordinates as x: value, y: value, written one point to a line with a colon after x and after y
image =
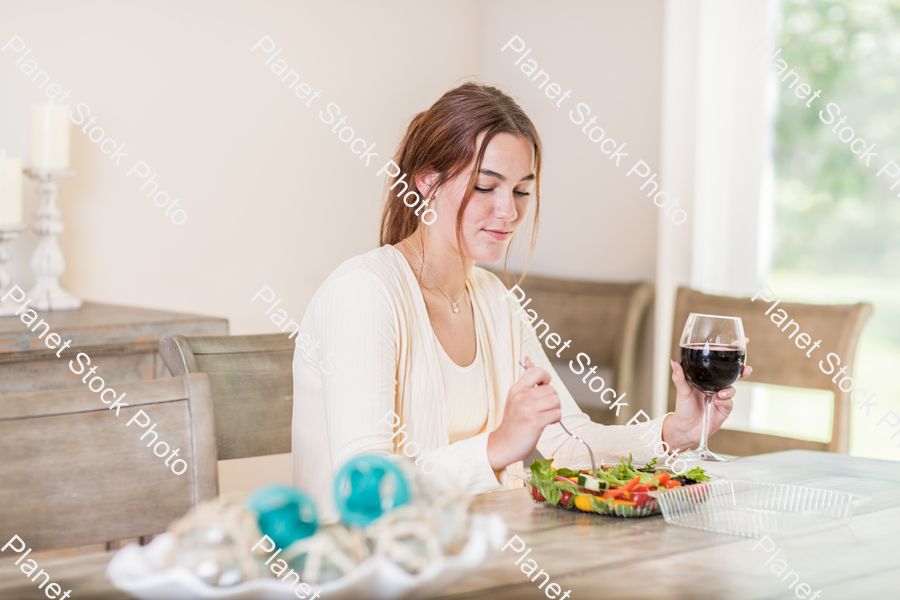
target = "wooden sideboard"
x: 121, y: 341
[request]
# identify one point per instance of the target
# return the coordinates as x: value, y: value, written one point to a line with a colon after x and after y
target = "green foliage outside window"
x: 837, y: 226
x: 832, y: 214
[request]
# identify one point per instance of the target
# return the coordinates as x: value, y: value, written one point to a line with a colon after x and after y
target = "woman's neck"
x: 444, y: 264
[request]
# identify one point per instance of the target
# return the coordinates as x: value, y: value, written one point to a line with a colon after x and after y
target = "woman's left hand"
x: 682, y: 429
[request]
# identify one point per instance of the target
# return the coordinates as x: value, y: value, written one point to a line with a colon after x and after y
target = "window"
x: 836, y: 225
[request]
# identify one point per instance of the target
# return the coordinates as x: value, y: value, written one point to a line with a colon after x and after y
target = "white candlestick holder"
x: 7, y: 234
x: 47, y: 262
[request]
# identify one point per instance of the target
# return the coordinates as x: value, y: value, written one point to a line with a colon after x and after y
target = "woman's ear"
x: 424, y: 183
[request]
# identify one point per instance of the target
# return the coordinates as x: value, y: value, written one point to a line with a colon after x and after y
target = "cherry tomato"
x: 536, y: 494
x: 564, y: 500
x: 640, y: 495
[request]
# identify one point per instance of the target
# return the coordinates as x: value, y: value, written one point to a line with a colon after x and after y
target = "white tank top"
x: 466, y: 393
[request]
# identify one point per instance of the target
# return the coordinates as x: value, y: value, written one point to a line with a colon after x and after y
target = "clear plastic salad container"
x: 754, y: 509
x: 638, y: 504
x: 561, y: 489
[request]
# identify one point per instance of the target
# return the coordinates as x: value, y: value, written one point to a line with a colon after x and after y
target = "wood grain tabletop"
x: 612, y: 558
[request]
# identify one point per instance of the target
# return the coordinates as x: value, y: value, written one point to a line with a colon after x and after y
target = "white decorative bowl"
x: 131, y: 570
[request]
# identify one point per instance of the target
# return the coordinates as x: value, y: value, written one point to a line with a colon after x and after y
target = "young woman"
x: 423, y: 348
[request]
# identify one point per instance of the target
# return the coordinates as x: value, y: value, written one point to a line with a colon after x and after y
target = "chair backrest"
x: 74, y: 474
x: 778, y: 360
x: 251, y: 381
x: 602, y: 318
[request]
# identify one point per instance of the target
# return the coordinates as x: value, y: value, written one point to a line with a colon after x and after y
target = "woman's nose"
x: 507, y: 209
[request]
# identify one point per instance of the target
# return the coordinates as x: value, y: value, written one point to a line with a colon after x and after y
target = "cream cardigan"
x: 366, y: 351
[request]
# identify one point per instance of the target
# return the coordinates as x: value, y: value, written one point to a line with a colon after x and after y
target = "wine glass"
x: 713, y: 354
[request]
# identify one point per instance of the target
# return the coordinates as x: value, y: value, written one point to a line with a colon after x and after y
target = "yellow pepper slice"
x: 583, y: 503
x: 623, y: 503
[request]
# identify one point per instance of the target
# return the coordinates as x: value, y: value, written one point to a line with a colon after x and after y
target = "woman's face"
x: 499, y: 202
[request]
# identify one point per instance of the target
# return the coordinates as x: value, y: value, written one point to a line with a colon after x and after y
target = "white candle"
x: 49, y: 137
x: 10, y: 191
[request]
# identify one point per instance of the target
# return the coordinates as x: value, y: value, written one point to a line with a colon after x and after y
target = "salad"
x: 621, y: 490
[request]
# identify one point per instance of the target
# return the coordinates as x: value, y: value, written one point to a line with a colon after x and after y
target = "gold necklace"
x: 455, y: 307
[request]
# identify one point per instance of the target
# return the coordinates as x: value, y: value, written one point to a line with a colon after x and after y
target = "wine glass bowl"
x: 712, y: 355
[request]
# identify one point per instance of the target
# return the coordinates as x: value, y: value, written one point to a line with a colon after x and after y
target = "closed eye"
x: 486, y: 190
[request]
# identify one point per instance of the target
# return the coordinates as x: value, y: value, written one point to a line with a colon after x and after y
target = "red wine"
x: 711, y: 367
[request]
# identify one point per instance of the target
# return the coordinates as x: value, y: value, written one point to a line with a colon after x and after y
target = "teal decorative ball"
x: 367, y: 487
x: 285, y: 514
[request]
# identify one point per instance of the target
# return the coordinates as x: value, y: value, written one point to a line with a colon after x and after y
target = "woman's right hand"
x: 531, y: 405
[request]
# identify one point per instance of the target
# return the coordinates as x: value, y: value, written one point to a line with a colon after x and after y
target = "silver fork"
x: 593, y: 464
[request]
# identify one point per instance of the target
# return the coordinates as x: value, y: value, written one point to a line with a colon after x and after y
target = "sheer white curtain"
x: 718, y: 106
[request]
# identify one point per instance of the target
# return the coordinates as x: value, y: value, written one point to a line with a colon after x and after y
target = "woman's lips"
x: 498, y: 235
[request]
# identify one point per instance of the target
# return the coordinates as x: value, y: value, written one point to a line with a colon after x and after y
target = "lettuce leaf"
x: 696, y: 474
x: 541, y: 471
x: 567, y: 487
x: 553, y: 495
x: 603, y: 506
x: 568, y: 473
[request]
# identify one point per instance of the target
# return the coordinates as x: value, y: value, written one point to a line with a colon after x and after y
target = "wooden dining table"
x: 614, y: 558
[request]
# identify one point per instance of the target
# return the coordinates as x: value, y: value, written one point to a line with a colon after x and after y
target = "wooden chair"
x: 74, y: 474
x: 251, y: 380
x: 603, y: 320
x: 776, y: 359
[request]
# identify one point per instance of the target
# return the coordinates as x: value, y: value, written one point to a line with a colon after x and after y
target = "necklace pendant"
x: 455, y: 307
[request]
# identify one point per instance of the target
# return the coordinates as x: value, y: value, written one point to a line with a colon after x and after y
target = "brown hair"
x: 442, y: 140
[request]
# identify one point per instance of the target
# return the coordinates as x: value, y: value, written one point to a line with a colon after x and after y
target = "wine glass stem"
x: 704, y: 426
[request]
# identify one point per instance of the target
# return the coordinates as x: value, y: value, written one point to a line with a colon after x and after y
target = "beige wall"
x: 595, y: 223
x: 272, y: 196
